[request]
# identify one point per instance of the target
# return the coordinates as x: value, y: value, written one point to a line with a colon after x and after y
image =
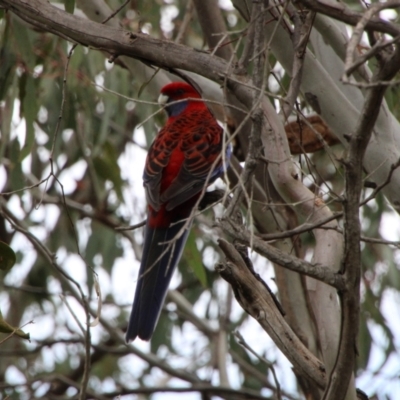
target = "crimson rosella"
x: 184, y: 157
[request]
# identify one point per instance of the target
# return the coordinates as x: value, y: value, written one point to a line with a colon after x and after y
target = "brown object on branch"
x: 309, y: 136
x: 304, y: 136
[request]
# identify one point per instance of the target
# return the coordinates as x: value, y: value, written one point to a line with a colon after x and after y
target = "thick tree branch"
x: 116, y: 42
x: 253, y: 296
x: 350, y: 297
x: 319, y: 272
x: 307, y: 206
x: 213, y: 26
x: 341, y: 12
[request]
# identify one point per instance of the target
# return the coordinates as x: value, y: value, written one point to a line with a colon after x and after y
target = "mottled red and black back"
x: 182, y: 158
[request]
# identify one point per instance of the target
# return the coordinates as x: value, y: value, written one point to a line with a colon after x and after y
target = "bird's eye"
x: 179, y: 92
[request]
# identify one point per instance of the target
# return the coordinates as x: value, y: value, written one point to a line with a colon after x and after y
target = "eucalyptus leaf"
x: 69, y: 6
x: 7, y: 66
x: 5, y: 327
x: 23, y: 45
x: 194, y: 259
x: 29, y: 110
x: 7, y: 257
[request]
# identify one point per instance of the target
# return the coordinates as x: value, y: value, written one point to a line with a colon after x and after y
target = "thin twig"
x: 39, y: 246
x: 341, y: 12
x: 277, y: 256
x: 255, y: 146
x: 185, y: 22
x: 301, y: 34
x: 350, y: 64
x: 131, y: 227
x: 113, y: 14
x: 393, y: 167
x: 381, y: 44
x: 270, y: 365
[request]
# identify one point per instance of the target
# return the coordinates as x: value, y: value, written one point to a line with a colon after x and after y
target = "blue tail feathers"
x: 155, y: 274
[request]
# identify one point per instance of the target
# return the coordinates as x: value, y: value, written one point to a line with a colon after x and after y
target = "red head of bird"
x: 176, y: 97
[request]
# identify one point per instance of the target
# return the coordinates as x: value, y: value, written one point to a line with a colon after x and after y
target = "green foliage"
x: 194, y: 259
x: 107, y: 168
x: 5, y: 327
x: 93, y: 161
x: 70, y: 6
x: 7, y: 257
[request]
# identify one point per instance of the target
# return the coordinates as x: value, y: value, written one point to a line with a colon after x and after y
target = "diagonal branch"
x: 341, y: 12
x: 300, y: 37
x: 213, y: 26
x: 255, y: 299
x: 277, y: 256
x: 350, y: 64
x: 116, y: 41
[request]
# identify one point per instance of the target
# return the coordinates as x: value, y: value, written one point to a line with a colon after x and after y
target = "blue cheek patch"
x: 174, y: 110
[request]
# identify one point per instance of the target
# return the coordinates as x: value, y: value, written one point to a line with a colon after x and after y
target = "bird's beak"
x: 163, y: 99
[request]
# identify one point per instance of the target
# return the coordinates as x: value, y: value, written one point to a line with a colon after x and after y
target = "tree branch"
x: 319, y: 272
x: 213, y: 26
x: 350, y: 64
x: 301, y: 33
x: 114, y: 41
x: 255, y: 299
x: 341, y: 12
x: 350, y: 297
